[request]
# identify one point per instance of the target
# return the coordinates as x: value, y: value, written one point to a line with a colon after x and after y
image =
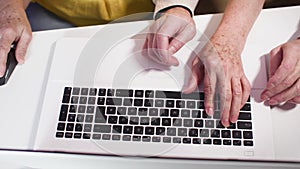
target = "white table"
x: 20, y: 99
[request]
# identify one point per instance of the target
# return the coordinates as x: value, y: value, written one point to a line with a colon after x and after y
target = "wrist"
x: 175, y: 10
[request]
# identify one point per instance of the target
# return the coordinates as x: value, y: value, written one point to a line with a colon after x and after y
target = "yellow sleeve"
x: 91, y: 12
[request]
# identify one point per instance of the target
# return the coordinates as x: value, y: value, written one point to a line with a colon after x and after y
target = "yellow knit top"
x: 92, y: 12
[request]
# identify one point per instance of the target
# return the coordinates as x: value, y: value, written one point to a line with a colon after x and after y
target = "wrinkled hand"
x: 220, y: 66
x: 14, y: 27
x: 284, y: 82
x: 168, y: 34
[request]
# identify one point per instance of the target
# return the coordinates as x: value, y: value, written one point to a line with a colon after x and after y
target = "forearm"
x: 239, y: 18
x: 14, y: 3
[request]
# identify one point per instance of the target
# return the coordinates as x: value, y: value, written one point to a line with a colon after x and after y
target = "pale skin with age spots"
x: 14, y: 27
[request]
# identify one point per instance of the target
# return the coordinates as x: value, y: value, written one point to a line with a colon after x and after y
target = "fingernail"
x: 225, y: 122
x: 273, y: 102
x: 210, y: 111
x: 264, y: 97
x: 172, y: 50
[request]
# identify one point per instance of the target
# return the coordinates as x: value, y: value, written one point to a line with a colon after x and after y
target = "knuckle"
x: 287, y: 83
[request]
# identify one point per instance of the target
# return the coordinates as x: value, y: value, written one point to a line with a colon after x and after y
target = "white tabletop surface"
x: 20, y: 98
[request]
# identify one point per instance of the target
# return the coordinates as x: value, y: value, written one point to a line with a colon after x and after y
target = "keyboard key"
x: 215, y: 133
x: 80, y: 118
x: 71, y: 117
x: 176, y: 140
x: 248, y: 143
x: 204, y: 133
x: 127, y: 102
x: 146, y: 138
x: 67, y: 95
x: 177, y: 122
x: 136, y: 138
x: 164, y: 112
x: 123, y: 120
x: 159, y: 103
x: 191, y: 104
x: 148, y: 103
x: 114, y: 101
x: 70, y: 127
x: 156, y: 139
x: 236, y: 134
x: 134, y: 120
x: 101, y: 101
x: 246, y: 107
x: 237, y: 142
x: 121, y: 110
x: 68, y: 135
x: 149, y: 130
x: 226, y: 142
x: 111, y: 110
x: 244, y: 125
x: 144, y: 120
x: 171, y: 131
x: 217, y: 115
x: 61, y: 126
x: 102, y: 92
x: 153, y: 112
x: 187, y: 122
x: 167, y: 139
x: 73, y: 108
x: 112, y: 119
x: 84, y: 91
x: 185, y: 113
x: 143, y: 112
x: 168, y: 94
x: 207, y: 141
x: 132, y: 111
x: 138, y: 102
x: 200, y: 105
x: 93, y: 92
x: 91, y: 100
x: 193, y: 96
x: 247, y: 135
x: 149, y: 94
x: 100, y: 115
x: 196, y: 141
x: 126, y: 138
x: 82, y: 100
x: 127, y: 129
x: 198, y: 123
x: 226, y: 134
x: 160, y: 131
x: 180, y: 104
x: 196, y: 114
x: 166, y: 121
x: 124, y: 92
x: 217, y: 141
x: 86, y: 136
x: 77, y: 135
x: 116, y: 137
x: 138, y: 130
x: 59, y: 134
x: 75, y: 100
x: 219, y: 124
x: 76, y: 91
x: 96, y: 136
x: 63, y: 113
x: 186, y: 140
x: 139, y: 93
x: 174, y: 113
x: 182, y: 132
x: 209, y: 123
x: 110, y: 92
x: 170, y: 103
x: 244, y: 116
x: 193, y: 132
x: 102, y: 128
x: 106, y: 137
x: 117, y: 129
x: 155, y: 121
x: 87, y: 128
x: 90, y: 109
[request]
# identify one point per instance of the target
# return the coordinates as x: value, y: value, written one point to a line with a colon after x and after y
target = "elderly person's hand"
x: 168, y: 34
x: 14, y: 27
x: 219, y: 64
x: 284, y: 82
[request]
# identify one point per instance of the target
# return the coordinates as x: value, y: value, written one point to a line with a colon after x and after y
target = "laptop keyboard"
x: 147, y: 116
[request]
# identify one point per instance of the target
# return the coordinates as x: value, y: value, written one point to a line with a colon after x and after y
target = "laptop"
x: 105, y: 97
